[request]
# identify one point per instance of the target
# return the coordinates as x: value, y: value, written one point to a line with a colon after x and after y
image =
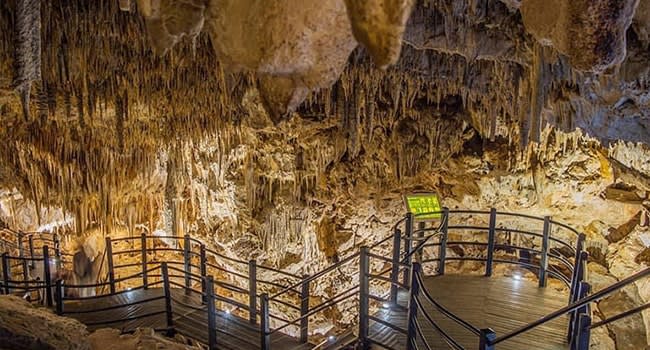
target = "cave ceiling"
x: 92, y: 91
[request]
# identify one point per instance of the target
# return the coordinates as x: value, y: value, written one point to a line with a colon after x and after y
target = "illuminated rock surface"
x: 23, y: 326
x: 269, y: 130
x: 145, y: 339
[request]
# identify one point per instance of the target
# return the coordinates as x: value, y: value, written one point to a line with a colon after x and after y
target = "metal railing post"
x: 57, y: 244
x: 31, y: 250
x: 491, y: 242
x: 21, y: 248
x: 58, y: 294
x: 442, y: 253
x: 408, y: 247
x: 109, y: 260
x: 47, y: 276
x: 487, y: 336
x: 543, y: 262
x: 579, y: 276
x: 252, y: 291
x: 26, y: 269
x: 22, y: 255
x: 186, y: 262
x: 204, y: 274
x: 420, y: 235
x: 364, y: 291
x: 584, y: 332
x: 168, y: 298
x: 212, y: 313
x: 574, y: 330
x: 411, y: 334
x: 304, y: 310
x: 57, y: 251
x: 143, y: 248
x: 584, y: 257
x: 6, y: 272
x: 576, y: 267
x: 394, y: 273
x: 264, y: 322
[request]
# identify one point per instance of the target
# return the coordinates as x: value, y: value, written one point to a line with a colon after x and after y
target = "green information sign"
x: 423, y: 203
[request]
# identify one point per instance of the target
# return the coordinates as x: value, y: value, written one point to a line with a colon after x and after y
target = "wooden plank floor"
x: 119, y: 318
x: 189, y: 318
x: 500, y: 303
x: 497, y: 302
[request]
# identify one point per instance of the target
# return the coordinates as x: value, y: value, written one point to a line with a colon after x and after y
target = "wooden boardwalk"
x: 190, y: 319
x: 500, y: 303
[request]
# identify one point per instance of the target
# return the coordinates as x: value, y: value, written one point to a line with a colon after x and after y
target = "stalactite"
x: 42, y: 102
x: 80, y: 108
x: 28, y: 49
x: 187, y: 96
x: 119, y: 122
x: 170, y: 203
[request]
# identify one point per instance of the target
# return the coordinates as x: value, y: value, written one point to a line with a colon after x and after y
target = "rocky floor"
x: 25, y: 327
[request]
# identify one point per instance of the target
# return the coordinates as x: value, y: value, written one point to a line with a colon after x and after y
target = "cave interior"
x: 325, y: 174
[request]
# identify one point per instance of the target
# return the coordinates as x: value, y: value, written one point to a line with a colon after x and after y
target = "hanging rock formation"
x: 591, y: 32
x: 379, y: 25
x: 490, y: 103
x: 293, y: 46
x: 28, y: 49
x: 168, y: 21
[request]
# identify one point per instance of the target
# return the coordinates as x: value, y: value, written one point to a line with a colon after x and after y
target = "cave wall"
x: 289, y: 132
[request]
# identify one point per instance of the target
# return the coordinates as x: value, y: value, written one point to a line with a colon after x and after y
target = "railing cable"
x: 576, y: 305
x: 445, y: 311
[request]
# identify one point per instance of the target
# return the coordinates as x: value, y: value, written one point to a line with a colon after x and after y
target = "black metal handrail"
x: 623, y: 314
x: 579, y: 307
x: 316, y: 275
x: 314, y: 310
x: 190, y: 248
x: 302, y: 290
x: 584, y: 301
x: 492, y: 245
x: 401, y: 264
x: 225, y: 257
x: 284, y: 273
x: 448, y: 339
x: 443, y: 309
x: 418, y: 239
x: 61, y: 298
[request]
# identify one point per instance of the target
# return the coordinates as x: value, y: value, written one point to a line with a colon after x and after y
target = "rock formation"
x: 591, y: 33
x: 23, y: 327
x: 111, y: 339
x: 287, y: 131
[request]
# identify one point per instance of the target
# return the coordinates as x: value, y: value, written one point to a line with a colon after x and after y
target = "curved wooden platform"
x: 500, y: 303
x: 190, y: 319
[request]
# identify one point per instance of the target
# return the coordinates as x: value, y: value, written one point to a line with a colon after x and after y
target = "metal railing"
x: 300, y: 292
x: 581, y: 324
x: 554, y: 256
x: 30, y: 245
x: 545, y: 255
x: 372, y: 279
x: 238, y: 277
x: 346, y: 272
x: 19, y: 276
